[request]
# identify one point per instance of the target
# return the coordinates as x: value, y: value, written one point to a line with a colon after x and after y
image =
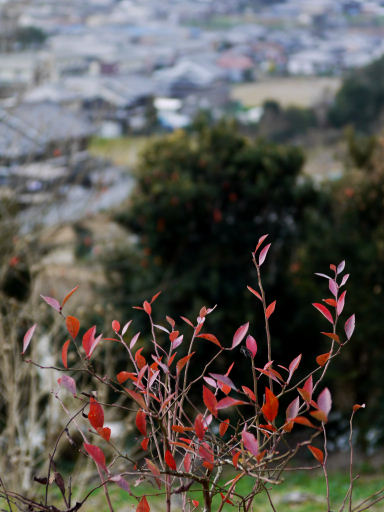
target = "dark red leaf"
x: 169, y: 460
x: 97, y: 455
x: 209, y: 337
x: 143, y: 505
x: 210, y: 401
x: 141, y: 422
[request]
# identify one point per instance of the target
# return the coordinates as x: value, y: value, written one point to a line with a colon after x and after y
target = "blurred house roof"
x: 28, y: 128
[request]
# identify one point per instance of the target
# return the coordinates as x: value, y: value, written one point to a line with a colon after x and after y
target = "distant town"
x: 81, y: 68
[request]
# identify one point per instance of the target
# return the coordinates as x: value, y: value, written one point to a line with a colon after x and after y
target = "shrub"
x: 186, y: 445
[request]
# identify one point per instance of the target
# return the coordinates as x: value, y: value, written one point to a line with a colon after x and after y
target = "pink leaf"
x: 134, y: 340
x: 349, y: 326
x: 28, y: 336
x: 293, y: 409
x: 55, y: 304
x: 97, y: 455
x: 228, y: 402
x: 250, y: 443
x: 344, y: 280
x: 293, y: 367
x: 324, y: 311
x: 263, y: 254
x: 340, y: 303
x: 260, y: 241
x: 224, y: 379
x: 68, y: 383
x: 125, y: 328
x: 324, y: 401
x: 340, y: 267
x: 121, y: 482
x: 333, y: 288
x: 251, y: 345
x: 239, y: 335
x: 322, y: 275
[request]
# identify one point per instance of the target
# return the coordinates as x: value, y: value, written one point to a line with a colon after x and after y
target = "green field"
x: 300, y: 492
x: 121, y: 151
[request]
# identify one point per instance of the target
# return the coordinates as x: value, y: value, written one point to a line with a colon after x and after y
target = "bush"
x: 185, y: 444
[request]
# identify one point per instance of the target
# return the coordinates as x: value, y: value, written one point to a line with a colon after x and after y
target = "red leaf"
x: 251, y: 345
x: 123, y: 376
x: 206, y: 453
x: 320, y: 416
x: 137, y: 398
x: 317, y: 453
x: 249, y: 392
x: 187, y: 462
x: 153, y: 468
x: 271, y: 406
x: 324, y: 311
x: 210, y: 401
x: 228, y: 402
x: 169, y: 460
x: 147, y: 307
x: 223, y: 427
x: 322, y: 359
x: 143, y: 505
x: 349, y: 326
x: 200, y: 428
x: 144, y: 443
x: 182, y: 362
x: 239, y: 335
x: 332, y: 335
x: 250, y: 443
x: 173, y: 335
x: 263, y: 254
x: 73, y: 325
x: 104, y: 432
x: 97, y: 455
x: 260, y: 241
x: 293, y: 367
x: 27, y: 337
x: 303, y: 421
x: 187, y: 321
x: 270, y: 309
x: 140, y: 360
x: 306, y: 390
x: 257, y: 294
x: 116, y: 325
x: 96, y: 414
x: 155, y: 297
x: 55, y: 304
x: 88, y: 339
x: 64, y: 353
x: 195, y: 503
x: 356, y: 407
x: 68, y: 296
x: 209, y: 337
x: 235, y: 459
x: 141, y: 422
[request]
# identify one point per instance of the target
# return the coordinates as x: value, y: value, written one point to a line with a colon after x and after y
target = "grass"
x: 122, y: 151
x: 310, y: 485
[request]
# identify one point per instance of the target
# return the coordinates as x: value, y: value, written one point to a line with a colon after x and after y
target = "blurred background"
x: 147, y: 145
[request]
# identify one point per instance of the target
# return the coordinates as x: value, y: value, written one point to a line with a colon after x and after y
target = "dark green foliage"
x: 30, y: 37
x: 201, y: 202
x: 360, y: 100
